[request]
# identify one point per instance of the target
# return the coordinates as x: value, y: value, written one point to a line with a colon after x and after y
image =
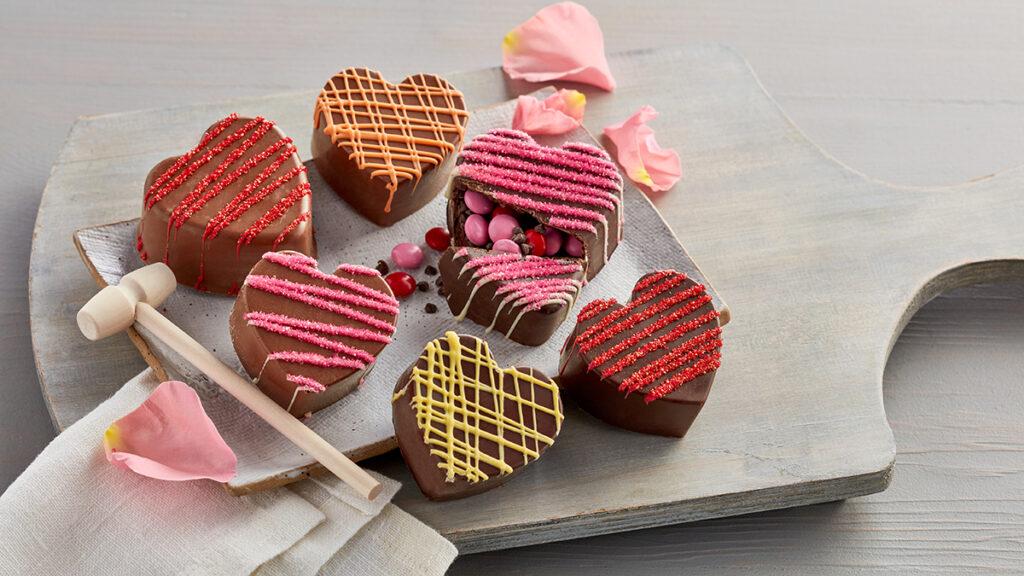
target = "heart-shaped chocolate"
x: 212, y: 212
x: 308, y: 338
x: 647, y: 366
x: 523, y: 297
x: 554, y: 214
x: 465, y: 424
x: 381, y: 146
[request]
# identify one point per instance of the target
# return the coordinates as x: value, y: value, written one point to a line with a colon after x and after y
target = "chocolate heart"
x: 523, y: 297
x: 212, y: 212
x: 308, y: 338
x: 465, y: 424
x: 647, y: 366
x: 561, y: 207
x: 380, y: 145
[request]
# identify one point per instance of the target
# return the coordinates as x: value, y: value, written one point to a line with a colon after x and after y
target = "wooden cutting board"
x: 821, y: 267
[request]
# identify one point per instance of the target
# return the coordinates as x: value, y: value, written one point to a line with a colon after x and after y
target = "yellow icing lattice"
x: 447, y: 399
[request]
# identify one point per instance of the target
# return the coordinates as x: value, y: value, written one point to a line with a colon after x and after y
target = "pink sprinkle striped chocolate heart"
x: 530, y: 226
x: 306, y: 337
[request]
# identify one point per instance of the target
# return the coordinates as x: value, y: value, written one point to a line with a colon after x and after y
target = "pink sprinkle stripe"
x: 325, y: 299
x: 308, y: 266
x: 314, y: 359
x: 306, y: 384
x: 529, y: 282
x: 312, y: 338
x: 567, y: 156
x: 322, y: 327
x: 556, y: 182
x: 541, y: 180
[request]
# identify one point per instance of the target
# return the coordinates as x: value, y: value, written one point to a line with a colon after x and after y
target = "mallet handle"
x: 257, y: 401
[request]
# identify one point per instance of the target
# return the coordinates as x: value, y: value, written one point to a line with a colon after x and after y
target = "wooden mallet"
x: 115, y: 308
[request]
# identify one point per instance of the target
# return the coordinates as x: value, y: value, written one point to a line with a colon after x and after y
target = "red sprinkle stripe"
x: 687, y: 360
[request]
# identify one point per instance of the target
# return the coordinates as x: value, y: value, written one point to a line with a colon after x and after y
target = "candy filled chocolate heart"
x: 555, y: 214
x: 212, y: 212
x: 647, y: 366
x: 465, y: 424
x: 383, y: 146
x: 523, y: 297
x: 306, y: 337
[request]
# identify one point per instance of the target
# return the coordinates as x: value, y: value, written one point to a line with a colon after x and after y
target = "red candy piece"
x: 438, y: 238
x: 401, y: 284
x: 537, y: 242
x: 503, y: 210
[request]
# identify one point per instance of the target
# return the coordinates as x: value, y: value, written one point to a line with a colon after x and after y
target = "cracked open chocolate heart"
x: 465, y: 424
x: 382, y: 146
x: 530, y: 224
x: 647, y: 366
x: 306, y: 337
x: 212, y: 212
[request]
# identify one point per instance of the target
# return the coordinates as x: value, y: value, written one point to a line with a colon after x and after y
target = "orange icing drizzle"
x: 374, y: 119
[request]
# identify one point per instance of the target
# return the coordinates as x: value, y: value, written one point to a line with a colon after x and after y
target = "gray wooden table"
x: 912, y: 94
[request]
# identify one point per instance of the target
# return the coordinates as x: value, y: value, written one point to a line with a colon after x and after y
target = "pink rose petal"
x: 170, y: 437
x: 557, y: 114
x: 560, y: 42
x: 640, y: 155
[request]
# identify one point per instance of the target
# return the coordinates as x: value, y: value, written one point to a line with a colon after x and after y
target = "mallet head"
x: 112, y: 309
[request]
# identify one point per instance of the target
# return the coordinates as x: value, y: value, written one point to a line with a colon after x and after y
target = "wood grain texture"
x: 821, y: 303
x: 956, y: 503
x: 909, y: 92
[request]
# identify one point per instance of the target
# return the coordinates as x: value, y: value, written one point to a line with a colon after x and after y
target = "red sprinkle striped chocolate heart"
x: 647, y: 366
x: 212, y: 212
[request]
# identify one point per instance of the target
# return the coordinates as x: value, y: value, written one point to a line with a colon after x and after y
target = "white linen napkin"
x: 73, y: 512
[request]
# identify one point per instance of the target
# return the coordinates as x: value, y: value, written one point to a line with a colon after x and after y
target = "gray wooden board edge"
x: 360, y: 424
x: 821, y: 266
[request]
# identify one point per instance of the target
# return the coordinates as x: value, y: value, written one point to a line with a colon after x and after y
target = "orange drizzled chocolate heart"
x: 381, y: 145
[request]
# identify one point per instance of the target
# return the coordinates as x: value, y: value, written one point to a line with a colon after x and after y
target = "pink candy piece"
x: 476, y: 229
x: 507, y: 246
x: 574, y: 247
x: 407, y: 255
x: 502, y: 227
x: 478, y: 203
x: 552, y: 242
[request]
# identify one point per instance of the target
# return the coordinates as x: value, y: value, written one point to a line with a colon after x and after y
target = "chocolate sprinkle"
x: 430, y: 308
x: 382, y: 267
x: 423, y: 286
x: 430, y: 270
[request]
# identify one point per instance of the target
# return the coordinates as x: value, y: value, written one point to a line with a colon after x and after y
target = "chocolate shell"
x: 524, y: 297
x: 383, y: 147
x: 566, y: 203
x: 465, y: 424
x: 647, y: 366
x: 308, y: 338
x: 212, y: 212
